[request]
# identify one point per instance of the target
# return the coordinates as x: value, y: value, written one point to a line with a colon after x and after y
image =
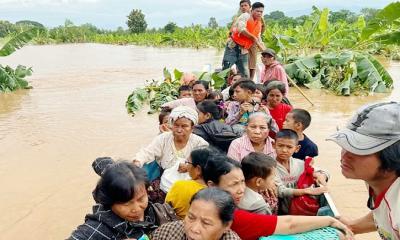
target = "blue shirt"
x: 308, y: 148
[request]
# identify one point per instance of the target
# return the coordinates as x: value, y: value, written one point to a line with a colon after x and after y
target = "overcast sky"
x: 110, y: 14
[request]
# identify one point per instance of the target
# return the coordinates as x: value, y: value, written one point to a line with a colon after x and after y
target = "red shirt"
x: 279, y: 113
x: 252, y: 226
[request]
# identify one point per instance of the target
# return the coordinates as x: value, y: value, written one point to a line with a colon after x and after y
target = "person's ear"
x: 298, y: 126
x: 274, y: 145
x: 258, y: 181
x: 297, y: 148
x: 211, y: 183
x: 208, y: 116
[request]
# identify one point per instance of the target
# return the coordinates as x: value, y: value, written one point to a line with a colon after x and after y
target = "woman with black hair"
x: 209, y: 218
x: 216, y: 133
x: 123, y: 210
x: 200, y: 92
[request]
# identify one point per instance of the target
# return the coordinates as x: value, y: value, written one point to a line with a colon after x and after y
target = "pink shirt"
x: 241, y: 147
x: 275, y: 72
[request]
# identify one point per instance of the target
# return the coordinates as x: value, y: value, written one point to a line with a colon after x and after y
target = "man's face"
x: 257, y: 13
x: 245, y: 7
x: 364, y: 167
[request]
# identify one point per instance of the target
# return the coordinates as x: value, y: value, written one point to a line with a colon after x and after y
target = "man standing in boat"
x: 245, y: 32
x: 371, y: 152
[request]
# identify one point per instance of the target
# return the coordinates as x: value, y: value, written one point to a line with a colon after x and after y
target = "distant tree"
x: 369, y: 13
x: 301, y: 19
x: 6, y: 28
x: 68, y: 23
x: 212, y: 23
x: 170, y: 27
x: 136, y: 22
x: 279, y: 17
x: 343, y: 15
x: 275, y: 15
x: 29, y: 23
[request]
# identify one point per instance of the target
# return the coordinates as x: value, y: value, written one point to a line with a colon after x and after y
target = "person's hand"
x: 246, y: 107
x: 316, y: 190
x: 272, y: 192
x: 164, y: 128
x: 346, y: 233
x: 320, y: 178
x: 136, y: 163
x: 182, y: 168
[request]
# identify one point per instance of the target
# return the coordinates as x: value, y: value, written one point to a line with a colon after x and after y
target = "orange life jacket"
x: 253, y: 27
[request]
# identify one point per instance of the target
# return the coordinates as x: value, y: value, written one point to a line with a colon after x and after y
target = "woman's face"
x: 257, y: 129
x: 133, y: 210
x: 194, y: 171
x: 199, y: 93
x: 233, y: 182
x: 202, y: 221
x: 203, y: 117
x: 258, y: 94
x: 274, y: 98
x: 182, y: 128
x: 267, y: 59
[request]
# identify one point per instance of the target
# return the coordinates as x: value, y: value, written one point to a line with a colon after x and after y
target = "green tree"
x: 369, y: 13
x: 212, y: 23
x: 29, y: 23
x: 279, y: 17
x: 343, y: 15
x: 170, y: 27
x: 136, y: 22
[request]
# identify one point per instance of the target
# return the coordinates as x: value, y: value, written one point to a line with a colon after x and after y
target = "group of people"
x: 227, y: 165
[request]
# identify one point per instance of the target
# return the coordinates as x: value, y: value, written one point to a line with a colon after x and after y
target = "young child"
x: 289, y: 170
x: 185, y: 91
x: 259, y: 173
x: 163, y: 120
x: 239, y: 111
x: 298, y: 120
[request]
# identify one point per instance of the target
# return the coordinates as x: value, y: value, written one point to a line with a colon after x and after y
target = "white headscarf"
x: 183, y: 112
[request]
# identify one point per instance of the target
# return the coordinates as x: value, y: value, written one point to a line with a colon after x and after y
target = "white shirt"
x: 386, y: 212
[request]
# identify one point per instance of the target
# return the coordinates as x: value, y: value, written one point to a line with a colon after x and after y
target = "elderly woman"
x: 209, y: 218
x: 272, y: 69
x: 171, y: 149
x: 256, y: 138
x: 199, y: 91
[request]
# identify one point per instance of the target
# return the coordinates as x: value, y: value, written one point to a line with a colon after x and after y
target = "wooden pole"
x: 299, y: 89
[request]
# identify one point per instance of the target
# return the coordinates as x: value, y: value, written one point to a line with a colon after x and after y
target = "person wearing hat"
x: 371, y: 152
x: 272, y: 70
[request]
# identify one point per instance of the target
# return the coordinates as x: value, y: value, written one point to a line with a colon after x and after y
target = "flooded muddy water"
x: 75, y: 112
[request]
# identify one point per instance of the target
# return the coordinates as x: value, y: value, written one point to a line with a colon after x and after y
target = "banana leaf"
x: 388, y: 38
x: 19, y: 40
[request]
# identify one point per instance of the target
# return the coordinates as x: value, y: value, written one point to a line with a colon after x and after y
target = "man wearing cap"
x: 272, y: 70
x: 245, y: 32
x: 371, y: 152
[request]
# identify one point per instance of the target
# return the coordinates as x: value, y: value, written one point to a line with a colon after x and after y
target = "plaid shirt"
x: 105, y: 224
x: 175, y: 230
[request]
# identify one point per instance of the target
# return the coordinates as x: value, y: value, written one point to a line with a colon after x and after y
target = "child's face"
x: 203, y: 117
x: 274, y: 97
x: 290, y: 123
x: 269, y: 181
x: 241, y: 94
x: 285, y: 148
x: 258, y: 94
x: 185, y: 94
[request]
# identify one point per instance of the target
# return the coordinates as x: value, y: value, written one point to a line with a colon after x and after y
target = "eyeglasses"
x: 187, y: 162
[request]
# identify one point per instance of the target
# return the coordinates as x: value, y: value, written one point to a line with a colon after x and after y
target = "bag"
x: 305, y: 205
x: 171, y: 175
x: 164, y: 213
x: 153, y: 170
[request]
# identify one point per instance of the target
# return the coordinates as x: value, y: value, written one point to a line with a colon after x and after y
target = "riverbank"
x: 51, y: 134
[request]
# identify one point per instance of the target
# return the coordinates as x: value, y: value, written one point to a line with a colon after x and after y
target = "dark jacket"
x: 104, y: 224
x: 216, y: 133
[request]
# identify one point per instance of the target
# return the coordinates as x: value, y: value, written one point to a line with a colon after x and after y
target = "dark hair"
x: 389, y: 157
x: 231, y: 92
x: 118, y: 183
x: 301, y: 116
x: 257, y: 165
x: 210, y: 106
x: 262, y: 89
x: 245, y: 83
x: 205, y: 84
x: 217, y: 166
x: 184, y: 88
x: 200, y: 157
x: 287, y: 134
x: 257, y: 5
x: 213, y: 94
x: 245, y: 1
x: 275, y: 84
x: 222, y: 200
x: 164, y: 112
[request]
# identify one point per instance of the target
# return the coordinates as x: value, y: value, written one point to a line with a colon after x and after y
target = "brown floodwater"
x: 75, y: 112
